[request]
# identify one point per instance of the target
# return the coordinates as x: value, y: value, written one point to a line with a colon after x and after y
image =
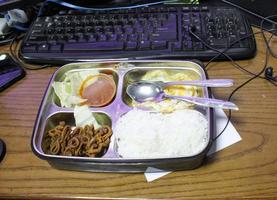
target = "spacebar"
x: 95, y: 46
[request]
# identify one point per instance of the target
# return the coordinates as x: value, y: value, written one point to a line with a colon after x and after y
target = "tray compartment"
x: 60, y: 76
x: 68, y: 118
x: 141, y: 73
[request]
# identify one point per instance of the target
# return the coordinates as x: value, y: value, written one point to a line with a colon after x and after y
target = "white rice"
x: 141, y: 134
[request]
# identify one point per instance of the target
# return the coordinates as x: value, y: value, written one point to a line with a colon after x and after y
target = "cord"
x: 267, y: 43
x: 250, y: 12
x: 18, y: 60
x: 86, y: 9
x: 243, y: 84
x: 236, y: 89
x: 258, y: 75
x: 225, y: 50
x: 7, y: 37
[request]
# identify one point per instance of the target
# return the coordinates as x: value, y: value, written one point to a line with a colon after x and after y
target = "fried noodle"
x: 87, y: 141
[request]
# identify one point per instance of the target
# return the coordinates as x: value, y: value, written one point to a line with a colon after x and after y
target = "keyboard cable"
x: 87, y: 9
x: 15, y: 56
x: 254, y: 76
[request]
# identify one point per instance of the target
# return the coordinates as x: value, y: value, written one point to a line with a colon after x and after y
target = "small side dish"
x: 98, y: 90
x: 91, y: 88
x: 84, y: 142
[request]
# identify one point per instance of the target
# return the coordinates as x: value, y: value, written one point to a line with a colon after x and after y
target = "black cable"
x: 240, y: 86
x: 16, y: 57
x: 228, y: 47
x: 223, y: 52
x: 237, y: 65
x: 4, y: 42
x: 6, y: 34
x: 6, y: 38
x: 267, y: 43
x: 273, y: 31
x: 236, y: 89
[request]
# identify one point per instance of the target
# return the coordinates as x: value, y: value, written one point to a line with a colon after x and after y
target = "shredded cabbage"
x: 83, y: 116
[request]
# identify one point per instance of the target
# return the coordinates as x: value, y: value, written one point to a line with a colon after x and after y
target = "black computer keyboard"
x: 160, y: 32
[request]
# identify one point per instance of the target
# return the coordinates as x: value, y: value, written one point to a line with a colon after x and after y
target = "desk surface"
x: 247, y: 169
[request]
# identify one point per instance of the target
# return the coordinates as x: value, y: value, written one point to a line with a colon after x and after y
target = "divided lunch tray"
x: 123, y: 73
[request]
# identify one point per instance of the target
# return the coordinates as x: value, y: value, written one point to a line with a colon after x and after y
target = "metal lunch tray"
x: 123, y: 72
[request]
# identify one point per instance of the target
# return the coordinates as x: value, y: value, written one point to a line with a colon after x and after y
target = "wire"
x: 223, y: 52
x: 227, y: 56
x: 267, y: 43
x: 18, y: 60
x: 227, y: 48
x: 6, y: 34
x: 258, y: 75
x: 250, y: 12
x: 86, y: 9
x: 7, y: 37
x: 3, y: 42
x: 236, y: 89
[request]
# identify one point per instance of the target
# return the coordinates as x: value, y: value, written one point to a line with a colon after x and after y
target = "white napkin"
x: 229, y: 136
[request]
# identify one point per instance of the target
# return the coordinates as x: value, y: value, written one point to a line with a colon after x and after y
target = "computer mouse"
x: 2, y: 149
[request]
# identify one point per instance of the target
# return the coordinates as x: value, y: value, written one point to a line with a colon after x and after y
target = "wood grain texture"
x: 247, y: 169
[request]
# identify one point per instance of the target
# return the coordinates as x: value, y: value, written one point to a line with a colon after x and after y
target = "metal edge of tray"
x: 124, y: 165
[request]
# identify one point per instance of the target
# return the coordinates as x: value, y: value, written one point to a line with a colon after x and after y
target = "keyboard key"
x: 59, y: 31
x: 163, y: 36
x: 29, y: 48
x: 71, y: 38
x: 133, y: 37
x: 89, y: 29
x: 118, y: 29
x: 131, y: 45
x: 61, y: 38
x: 80, y: 37
x: 98, y: 29
x: 143, y: 37
x: 143, y: 45
x: 38, y: 39
x: 55, y: 48
x: 96, y: 46
x: 218, y: 43
x: 122, y: 37
x: 101, y: 37
x: 91, y: 38
x: 52, y: 39
x: 79, y: 30
x: 112, y: 37
x: 128, y: 29
x: 198, y: 46
x: 159, y: 45
x: 37, y: 32
x: 42, y: 48
x: 187, y: 45
x: 176, y: 46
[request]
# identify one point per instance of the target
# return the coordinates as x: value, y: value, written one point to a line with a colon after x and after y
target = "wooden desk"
x: 247, y: 169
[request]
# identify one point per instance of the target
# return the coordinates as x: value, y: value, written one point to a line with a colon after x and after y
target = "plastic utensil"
x: 203, y: 83
x: 148, y: 91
